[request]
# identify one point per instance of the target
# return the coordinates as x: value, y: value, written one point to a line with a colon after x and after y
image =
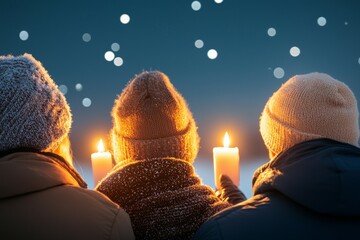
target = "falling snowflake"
x: 86, y: 37
x: 271, y: 32
x: 212, y: 54
x: 78, y: 87
x: 86, y: 102
x: 279, y: 72
x: 118, y: 61
x: 199, y: 43
x: 115, y: 47
x: 124, y: 19
x: 196, y: 5
x: 109, y: 56
x: 24, y: 35
x: 63, y: 89
x: 294, y: 51
x: 321, y: 21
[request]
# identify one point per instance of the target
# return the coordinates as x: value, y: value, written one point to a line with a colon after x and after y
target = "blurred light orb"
x: 78, y: 87
x: 24, y: 35
x: 321, y: 21
x: 86, y: 102
x: 212, y: 54
x: 294, y: 51
x: 279, y: 72
x: 196, y: 5
x: 199, y: 43
x: 115, y: 47
x: 109, y: 56
x: 218, y: 1
x: 86, y: 37
x: 63, y: 89
x: 124, y: 19
x: 359, y: 60
x: 118, y: 61
x: 271, y: 32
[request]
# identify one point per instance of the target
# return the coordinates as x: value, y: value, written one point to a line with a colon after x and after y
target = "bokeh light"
x: 212, y: 54
x: 115, y: 47
x: 109, y: 56
x: 63, y: 89
x: 78, y: 87
x: 321, y: 21
x: 294, y: 51
x: 199, y: 43
x: 86, y: 37
x: 271, y: 32
x: 24, y: 35
x: 279, y: 72
x: 196, y: 5
x: 218, y: 1
x: 118, y: 61
x: 86, y: 102
x: 124, y: 19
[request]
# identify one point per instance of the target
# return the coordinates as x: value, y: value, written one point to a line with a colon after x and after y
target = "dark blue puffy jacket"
x: 311, y: 191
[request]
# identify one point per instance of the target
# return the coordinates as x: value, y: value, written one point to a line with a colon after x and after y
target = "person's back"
x: 309, y: 189
x: 155, y: 142
x: 41, y: 195
x: 309, y: 192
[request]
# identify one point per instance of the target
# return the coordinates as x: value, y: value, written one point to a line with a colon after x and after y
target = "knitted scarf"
x: 164, y: 197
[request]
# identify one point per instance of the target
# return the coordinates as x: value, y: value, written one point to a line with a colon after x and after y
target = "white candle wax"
x: 226, y: 161
x: 101, y: 163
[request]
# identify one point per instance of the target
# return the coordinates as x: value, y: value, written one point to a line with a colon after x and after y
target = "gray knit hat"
x: 152, y: 120
x: 306, y: 107
x: 33, y: 112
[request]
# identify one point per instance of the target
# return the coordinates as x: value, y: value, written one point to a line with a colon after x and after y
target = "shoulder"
x: 92, y: 200
x: 236, y: 221
x: 99, y: 211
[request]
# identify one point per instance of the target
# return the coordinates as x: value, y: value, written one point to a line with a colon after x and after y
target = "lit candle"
x: 101, y: 163
x: 226, y: 161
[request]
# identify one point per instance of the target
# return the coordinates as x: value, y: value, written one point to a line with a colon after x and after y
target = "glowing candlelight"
x: 101, y: 163
x: 226, y: 161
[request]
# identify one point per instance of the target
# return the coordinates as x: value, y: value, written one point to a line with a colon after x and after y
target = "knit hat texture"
x: 33, y: 112
x: 306, y: 107
x: 151, y: 119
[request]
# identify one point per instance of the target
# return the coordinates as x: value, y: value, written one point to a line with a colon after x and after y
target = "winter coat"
x: 311, y: 191
x: 163, y: 196
x: 43, y: 197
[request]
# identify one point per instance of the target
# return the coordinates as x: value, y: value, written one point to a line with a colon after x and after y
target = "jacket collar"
x: 321, y: 174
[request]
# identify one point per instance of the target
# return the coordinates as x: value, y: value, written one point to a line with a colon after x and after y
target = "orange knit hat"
x: 308, y: 107
x: 152, y: 120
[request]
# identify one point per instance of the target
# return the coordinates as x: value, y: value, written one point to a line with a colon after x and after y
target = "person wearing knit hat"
x: 155, y: 141
x: 310, y: 127
x: 38, y: 184
x: 308, y: 107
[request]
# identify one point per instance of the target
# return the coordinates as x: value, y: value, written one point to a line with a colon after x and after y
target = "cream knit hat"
x: 33, y: 112
x: 307, y: 107
x: 152, y: 120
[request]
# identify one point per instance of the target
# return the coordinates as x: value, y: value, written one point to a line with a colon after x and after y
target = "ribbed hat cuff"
x: 183, y: 146
x: 278, y: 136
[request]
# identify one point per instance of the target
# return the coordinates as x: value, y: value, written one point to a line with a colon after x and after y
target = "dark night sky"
x: 227, y: 93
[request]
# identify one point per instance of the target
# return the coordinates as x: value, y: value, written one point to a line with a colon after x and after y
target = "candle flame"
x: 100, y: 146
x: 226, y: 140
